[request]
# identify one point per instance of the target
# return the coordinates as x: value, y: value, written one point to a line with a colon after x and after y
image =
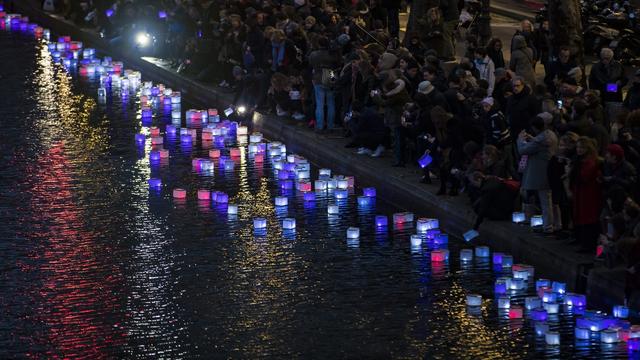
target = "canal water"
x: 95, y: 265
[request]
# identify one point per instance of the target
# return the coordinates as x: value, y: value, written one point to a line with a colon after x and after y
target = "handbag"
x: 329, y: 77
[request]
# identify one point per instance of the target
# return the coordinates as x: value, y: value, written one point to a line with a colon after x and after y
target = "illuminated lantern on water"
x: 539, y: 314
x: 381, y: 221
x: 548, y: 296
x: 609, y: 336
x: 186, y: 140
x: 304, y: 186
x: 281, y: 201
x: 320, y: 185
x: 286, y: 184
x: 507, y: 261
x: 633, y: 345
x: 577, y: 300
x: 259, y: 223
x: 206, y: 165
x: 441, y: 239
x: 179, y: 193
x: 140, y: 139
x: 518, y: 217
x: 353, y: 233
x: 214, y: 153
x: 369, y: 192
x: 552, y: 308
x: 232, y: 209
x: 542, y: 283
x: 552, y: 338
x: 258, y: 158
x: 155, y: 183
x: 515, y: 312
x: 341, y: 193
x: 256, y: 137
x: 466, y: 254
x: 504, y: 302
x: 229, y: 165
x: 426, y: 224
x: 559, y: 287
x: 541, y: 328
x: 204, y: 194
x: 621, y: 311
x: 332, y: 209
x: 517, y: 284
x: 521, y: 274
x: 474, y: 300
x: 439, y: 255
x: 324, y: 173
x: 154, y: 155
x: 289, y: 223
x: 342, y: 184
x: 482, y: 251
x: 363, y: 201
x: 222, y: 198
x: 309, y: 196
x: 157, y: 140
x: 532, y: 302
x: 470, y: 235
x: 234, y: 152
x: 241, y: 130
x: 403, y: 217
x: 582, y: 333
x: 500, y: 286
x: 416, y: 240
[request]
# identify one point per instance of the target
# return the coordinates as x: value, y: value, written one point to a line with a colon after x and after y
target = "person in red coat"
x: 586, y: 194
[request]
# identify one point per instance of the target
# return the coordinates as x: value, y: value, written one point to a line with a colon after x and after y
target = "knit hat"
x: 488, y: 101
x: 387, y: 61
x: 343, y: 39
x: 546, y: 117
x: 425, y: 87
x: 616, y: 150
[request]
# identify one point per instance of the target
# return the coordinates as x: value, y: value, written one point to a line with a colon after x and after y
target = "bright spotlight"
x: 241, y: 109
x: 143, y: 39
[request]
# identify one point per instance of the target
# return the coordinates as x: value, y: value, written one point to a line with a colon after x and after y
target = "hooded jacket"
x: 392, y: 102
x: 522, y: 60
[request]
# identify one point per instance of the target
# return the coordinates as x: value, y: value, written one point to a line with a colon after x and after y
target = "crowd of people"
x: 563, y: 143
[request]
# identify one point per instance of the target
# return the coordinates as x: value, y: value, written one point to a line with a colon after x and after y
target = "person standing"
x: 451, y: 16
x: 538, y: 148
x: 324, y: 64
x: 522, y: 60
x: 393, y: 16
x: 607, y: 76
x: 585, y: 178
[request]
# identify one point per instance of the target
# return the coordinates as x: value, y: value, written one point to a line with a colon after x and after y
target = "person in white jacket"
x: 486, y: 67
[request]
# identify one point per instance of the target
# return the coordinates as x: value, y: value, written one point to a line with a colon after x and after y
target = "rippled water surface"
x: 95, y: 265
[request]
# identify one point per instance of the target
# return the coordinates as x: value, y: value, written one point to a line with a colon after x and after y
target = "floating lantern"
x: 582, y: 333
x: 157, y: 140
x: 369, y: 192
x: 232, y: 209
x: 332, y: 209
x: 633, y: 345
x: 482, y: 251
x: 281, y: 201
x: 155, y: 183
x: 259, y: 223
x: 353, y: 233
x: 341, y: 193
x: 363, y: 201
x: 206, y: 165
x: 559, y: 287
x: 532, y: 302
x: 179, y: 193
x: 548, y: 296
x: 552, y: 308
x: 140, y: 139
x: 222, y: 198
x: 289, y: 223
x: 147, y: 113
x: 497, y: 258
x: 332, y: 183
x: 309, y: 196
x: 426, y: 224
x: 241, y: 130
x: 466, y: 255
x: 474, y: 300
x: 416, y: 240
x: 286, y: 184
x: 439, y: 255
x: 102, y: 92
x: 258, y: 158
x: 256, y: 137
x: 517, y: 284
x: 304, y: 186
x: 621, y: 311
x: 541, y: 328
x: 342, y: 184
x: 381, y: 221
x: 609, y: 336
x: 214, y: 153
x: 229, y: 165
x: 320, y: 185
x: 154, y: 155
x: 577, y: 300
x: 302, y: 174
x: 538, y: 314
x: 234, y: 152
x: 504, y: 302
x: 521, y: 274
x: 536, y: 221
x: 154, y: 131
x: 470, y: 235
x: 403, y: 217
x: 507, y: 261
x: 552, y: 338
x: 500, y: 286
x: 324, y: 172
x: 542, y: 283
x: 518, y: 217
x: 441, y: 239
x: 186, y: 139
x: 515, y: 312
x: 524, y: 267
x: 204, y: 194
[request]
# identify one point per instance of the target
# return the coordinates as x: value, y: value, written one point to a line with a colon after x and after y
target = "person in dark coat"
x: 521, y: 107
x: 494, y: 50
x: 392, y: 8
x: 607, y: 76
x: 367, y: 127
x: 559, y: 69
x: 448, y: 148
x: 585, y: 179
x: 632, y: 101
x: 617, y: 171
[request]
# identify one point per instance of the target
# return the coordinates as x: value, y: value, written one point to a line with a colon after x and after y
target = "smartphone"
x: 559, y: 103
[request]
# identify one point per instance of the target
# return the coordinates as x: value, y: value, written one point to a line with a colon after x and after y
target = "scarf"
x: 277, y: 55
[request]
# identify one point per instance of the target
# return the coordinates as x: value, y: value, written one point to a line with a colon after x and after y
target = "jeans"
x: 322, y: 93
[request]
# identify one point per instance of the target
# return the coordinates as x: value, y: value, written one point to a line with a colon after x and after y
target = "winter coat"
x: 539, y: 151
x: 497, y: 57
x: 519, y: 110
x: 586, y: 191
x: 496, y: 129
x: 450, y: 11
x: 601, y: 75
x: 522, y: 60
x: 622, y: 174
x: 321, y: 59
x: 486, y: 69
x: 632, y: 101
x: 393, y: 102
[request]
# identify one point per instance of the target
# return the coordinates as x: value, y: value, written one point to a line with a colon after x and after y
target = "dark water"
x: 94, y: 265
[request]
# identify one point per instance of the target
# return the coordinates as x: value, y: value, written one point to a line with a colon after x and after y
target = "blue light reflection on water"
x: 97, y: 265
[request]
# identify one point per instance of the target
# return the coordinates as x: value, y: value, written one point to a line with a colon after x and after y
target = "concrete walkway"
x: 552, y: 258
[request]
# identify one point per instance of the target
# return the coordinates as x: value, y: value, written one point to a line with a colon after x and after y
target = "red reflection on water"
x: 77, y: 304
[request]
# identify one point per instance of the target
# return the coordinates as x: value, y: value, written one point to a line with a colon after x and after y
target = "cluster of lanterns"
x: 228, y: 142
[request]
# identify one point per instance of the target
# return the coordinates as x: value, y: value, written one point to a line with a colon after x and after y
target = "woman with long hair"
x: 585, y: 179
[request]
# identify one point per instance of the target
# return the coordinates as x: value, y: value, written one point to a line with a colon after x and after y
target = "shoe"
x: 298, y: 116
x: 379, y: 151
x: 364, y: 151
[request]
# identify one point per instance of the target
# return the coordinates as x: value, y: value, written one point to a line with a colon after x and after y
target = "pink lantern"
x: 154, y: 131
x: 234, y: 152
x: 214, y: 153
x: 179, y: 193
x: 515, y: 312
x: 164, y: 153
x: 204, y: 194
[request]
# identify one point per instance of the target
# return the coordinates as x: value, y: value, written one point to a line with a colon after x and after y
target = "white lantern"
x: 289, y: 223
x: 552, y: 338
x: 474, y: 300
x: 353, y: 233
